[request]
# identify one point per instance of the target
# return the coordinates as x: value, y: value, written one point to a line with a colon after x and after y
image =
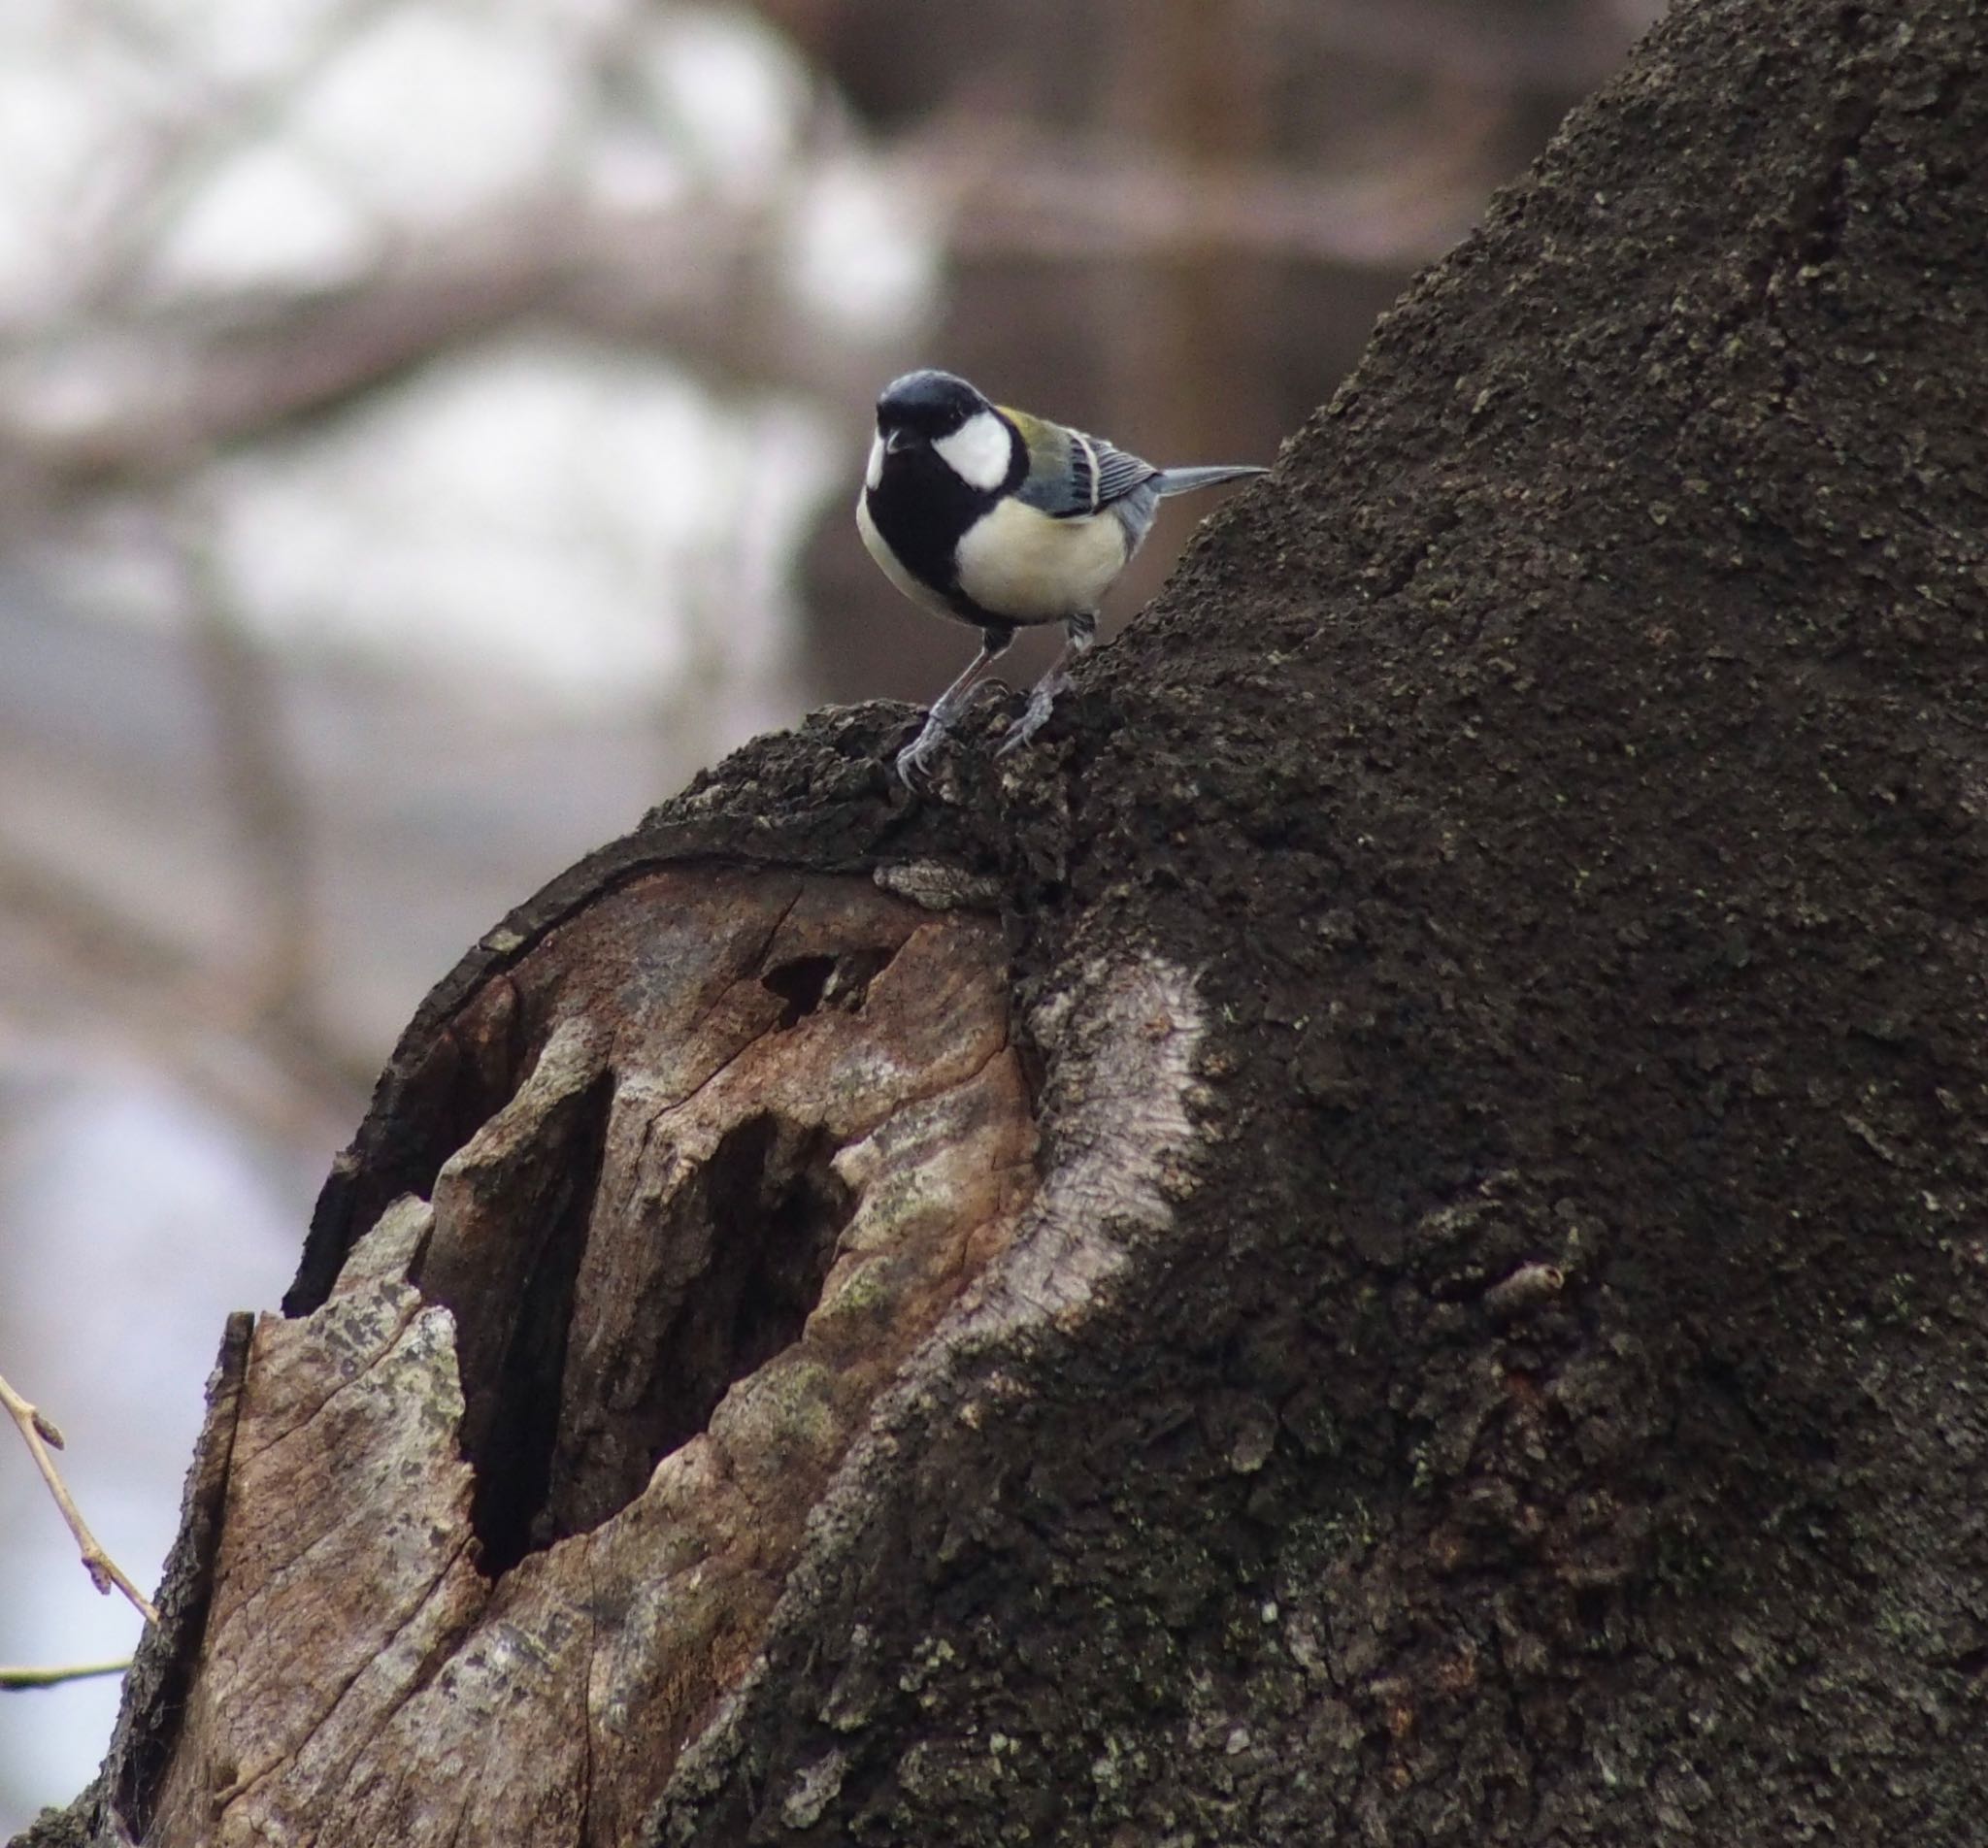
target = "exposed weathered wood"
x: 517, y: 1498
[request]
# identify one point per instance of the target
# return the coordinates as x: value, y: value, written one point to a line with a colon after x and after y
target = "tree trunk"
x: 1381, y: 1239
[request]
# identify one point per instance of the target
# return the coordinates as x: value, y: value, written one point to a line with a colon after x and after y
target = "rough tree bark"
x: 1383, y: 1240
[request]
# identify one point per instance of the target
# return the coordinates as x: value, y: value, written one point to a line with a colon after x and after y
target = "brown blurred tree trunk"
x: 1379, y: 1242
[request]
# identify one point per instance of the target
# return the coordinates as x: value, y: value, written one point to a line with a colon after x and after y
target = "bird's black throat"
x: 922, y: 508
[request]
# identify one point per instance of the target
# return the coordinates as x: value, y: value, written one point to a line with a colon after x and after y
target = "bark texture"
x: 1490, y: 1346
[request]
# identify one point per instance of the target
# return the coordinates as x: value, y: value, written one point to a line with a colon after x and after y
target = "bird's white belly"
x: 1019, y: 563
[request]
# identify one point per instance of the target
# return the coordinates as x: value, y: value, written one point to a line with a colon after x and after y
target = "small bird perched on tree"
x: 1003, y: 521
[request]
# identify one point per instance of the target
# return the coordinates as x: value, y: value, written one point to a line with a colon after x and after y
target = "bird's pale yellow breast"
x: 1019, y: 563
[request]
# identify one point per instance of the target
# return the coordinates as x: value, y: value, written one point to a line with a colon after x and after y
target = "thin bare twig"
x: 40, y: 1436
x: 11, y: 1678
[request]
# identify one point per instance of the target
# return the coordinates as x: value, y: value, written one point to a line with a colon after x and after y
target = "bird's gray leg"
x: 1082, y: 631
x: 914, y: 759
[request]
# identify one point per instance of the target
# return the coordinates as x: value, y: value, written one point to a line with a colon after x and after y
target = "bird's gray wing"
x: 1118, y: 473
x: 1072, y: 474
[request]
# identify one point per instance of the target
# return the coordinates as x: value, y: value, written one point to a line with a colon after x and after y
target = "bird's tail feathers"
x: 1171, y: 481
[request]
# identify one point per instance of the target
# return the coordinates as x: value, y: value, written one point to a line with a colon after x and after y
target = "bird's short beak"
x: 898, y: 440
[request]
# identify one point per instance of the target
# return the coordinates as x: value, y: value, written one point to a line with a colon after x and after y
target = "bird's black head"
x: 931, y: 425
x: 926, y: 406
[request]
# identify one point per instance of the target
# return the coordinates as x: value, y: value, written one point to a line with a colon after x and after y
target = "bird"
x: 1003, y: 521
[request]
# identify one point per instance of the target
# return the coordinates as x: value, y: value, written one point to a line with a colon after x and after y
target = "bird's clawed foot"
x: 1033, y: 719
x: 1082, y: 630
x: 915, y: 761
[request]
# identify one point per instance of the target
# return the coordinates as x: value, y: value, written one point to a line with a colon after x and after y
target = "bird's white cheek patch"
x: 978, y: 451
x: 873, y: 474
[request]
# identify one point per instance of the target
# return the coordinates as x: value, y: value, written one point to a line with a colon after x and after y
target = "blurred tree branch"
x: 1007, y: 189
x: 270, y: 1071
x: 21, y: 1677
x: 138, y: 396
x: 258, y: 779
x: 1502, y: 48
x: 182, y: 148
x: 141, y: 394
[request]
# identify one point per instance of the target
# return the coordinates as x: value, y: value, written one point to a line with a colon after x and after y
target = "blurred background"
x: 427, y: 435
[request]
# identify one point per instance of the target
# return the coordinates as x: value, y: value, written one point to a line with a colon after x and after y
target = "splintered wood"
x: 506, y: 1517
